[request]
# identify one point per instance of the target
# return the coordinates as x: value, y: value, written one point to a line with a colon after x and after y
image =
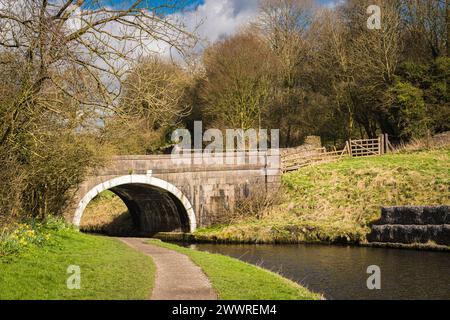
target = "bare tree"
x: 280, y: 19
x: 429, y: 20
x: 238, y: 82
x: 332, y: 60
x: 284, y: 24
x: 447, y: 23
x: 154, y: 91
x: 377, y: 52
x: 53, y: 38
x: 375, y: 56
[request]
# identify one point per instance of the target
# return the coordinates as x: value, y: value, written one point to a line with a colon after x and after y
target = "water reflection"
x: 340, y: 272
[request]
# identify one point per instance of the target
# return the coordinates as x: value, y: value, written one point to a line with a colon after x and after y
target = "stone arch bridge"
x: 165, y: 193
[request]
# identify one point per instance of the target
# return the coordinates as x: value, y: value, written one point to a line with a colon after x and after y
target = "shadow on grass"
x: 121, y: 226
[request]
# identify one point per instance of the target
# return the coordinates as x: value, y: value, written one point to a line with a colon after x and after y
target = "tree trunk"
x: 447, y: 22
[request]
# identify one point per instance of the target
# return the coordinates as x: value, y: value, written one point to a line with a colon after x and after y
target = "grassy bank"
x: 233, y: 279
x: 337, y: 201
x: 38, y: 270
x: 107, y: 214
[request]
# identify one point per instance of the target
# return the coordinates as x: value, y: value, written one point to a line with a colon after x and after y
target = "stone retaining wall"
x: 311, y: 144
x: 409, y: 225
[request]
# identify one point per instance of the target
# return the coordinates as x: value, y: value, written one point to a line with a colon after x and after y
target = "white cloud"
x: 332, y: 4
x: 211, y: 21
x: 220, y: 18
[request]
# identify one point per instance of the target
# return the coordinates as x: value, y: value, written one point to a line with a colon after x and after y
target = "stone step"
x: 411, y: 215
x: 408, y: 234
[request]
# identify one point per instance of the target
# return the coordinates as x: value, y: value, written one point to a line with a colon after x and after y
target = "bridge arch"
x: 134, y: 186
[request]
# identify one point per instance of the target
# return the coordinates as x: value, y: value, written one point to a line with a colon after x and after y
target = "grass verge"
x: 336, y: 202
x: 109, y: 270
x: 233, y: 279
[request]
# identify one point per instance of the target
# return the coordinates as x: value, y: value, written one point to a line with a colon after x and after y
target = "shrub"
x: 408, y: 111
x: 33, y: 233
x: 258, y: 203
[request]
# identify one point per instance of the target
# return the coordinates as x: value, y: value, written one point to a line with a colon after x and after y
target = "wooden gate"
x: 366, y: 147
x: 353, y: 148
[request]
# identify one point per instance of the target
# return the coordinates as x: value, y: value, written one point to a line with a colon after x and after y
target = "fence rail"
x: 353, y: 148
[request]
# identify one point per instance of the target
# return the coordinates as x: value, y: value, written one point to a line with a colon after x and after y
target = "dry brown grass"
x: 338, y: 201
x: 438, y: 141
x: 107, y: 214
x: 257, y: 204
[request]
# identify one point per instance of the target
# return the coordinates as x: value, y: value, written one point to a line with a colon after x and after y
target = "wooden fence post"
x: 386, y: 141
x: 349, y: 148
x: 380, y: 144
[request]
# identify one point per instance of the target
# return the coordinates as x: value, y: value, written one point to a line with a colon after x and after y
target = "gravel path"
x: 177, y: 277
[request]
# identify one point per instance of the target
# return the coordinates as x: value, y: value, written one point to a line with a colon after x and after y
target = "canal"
x: 340, y: 272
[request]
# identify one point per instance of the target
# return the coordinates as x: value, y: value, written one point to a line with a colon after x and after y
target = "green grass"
x: 233, y: 279
x: 338, y: 201
x: 109, y: 270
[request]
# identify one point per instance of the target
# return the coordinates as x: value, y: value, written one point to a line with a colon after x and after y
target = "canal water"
x: 340, y: 272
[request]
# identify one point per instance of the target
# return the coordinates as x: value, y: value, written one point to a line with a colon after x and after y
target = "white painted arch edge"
x: 135, y: 179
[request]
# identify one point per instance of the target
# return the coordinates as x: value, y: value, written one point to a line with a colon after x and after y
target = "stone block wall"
x: 410, y: 225
x: 311, y: 144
